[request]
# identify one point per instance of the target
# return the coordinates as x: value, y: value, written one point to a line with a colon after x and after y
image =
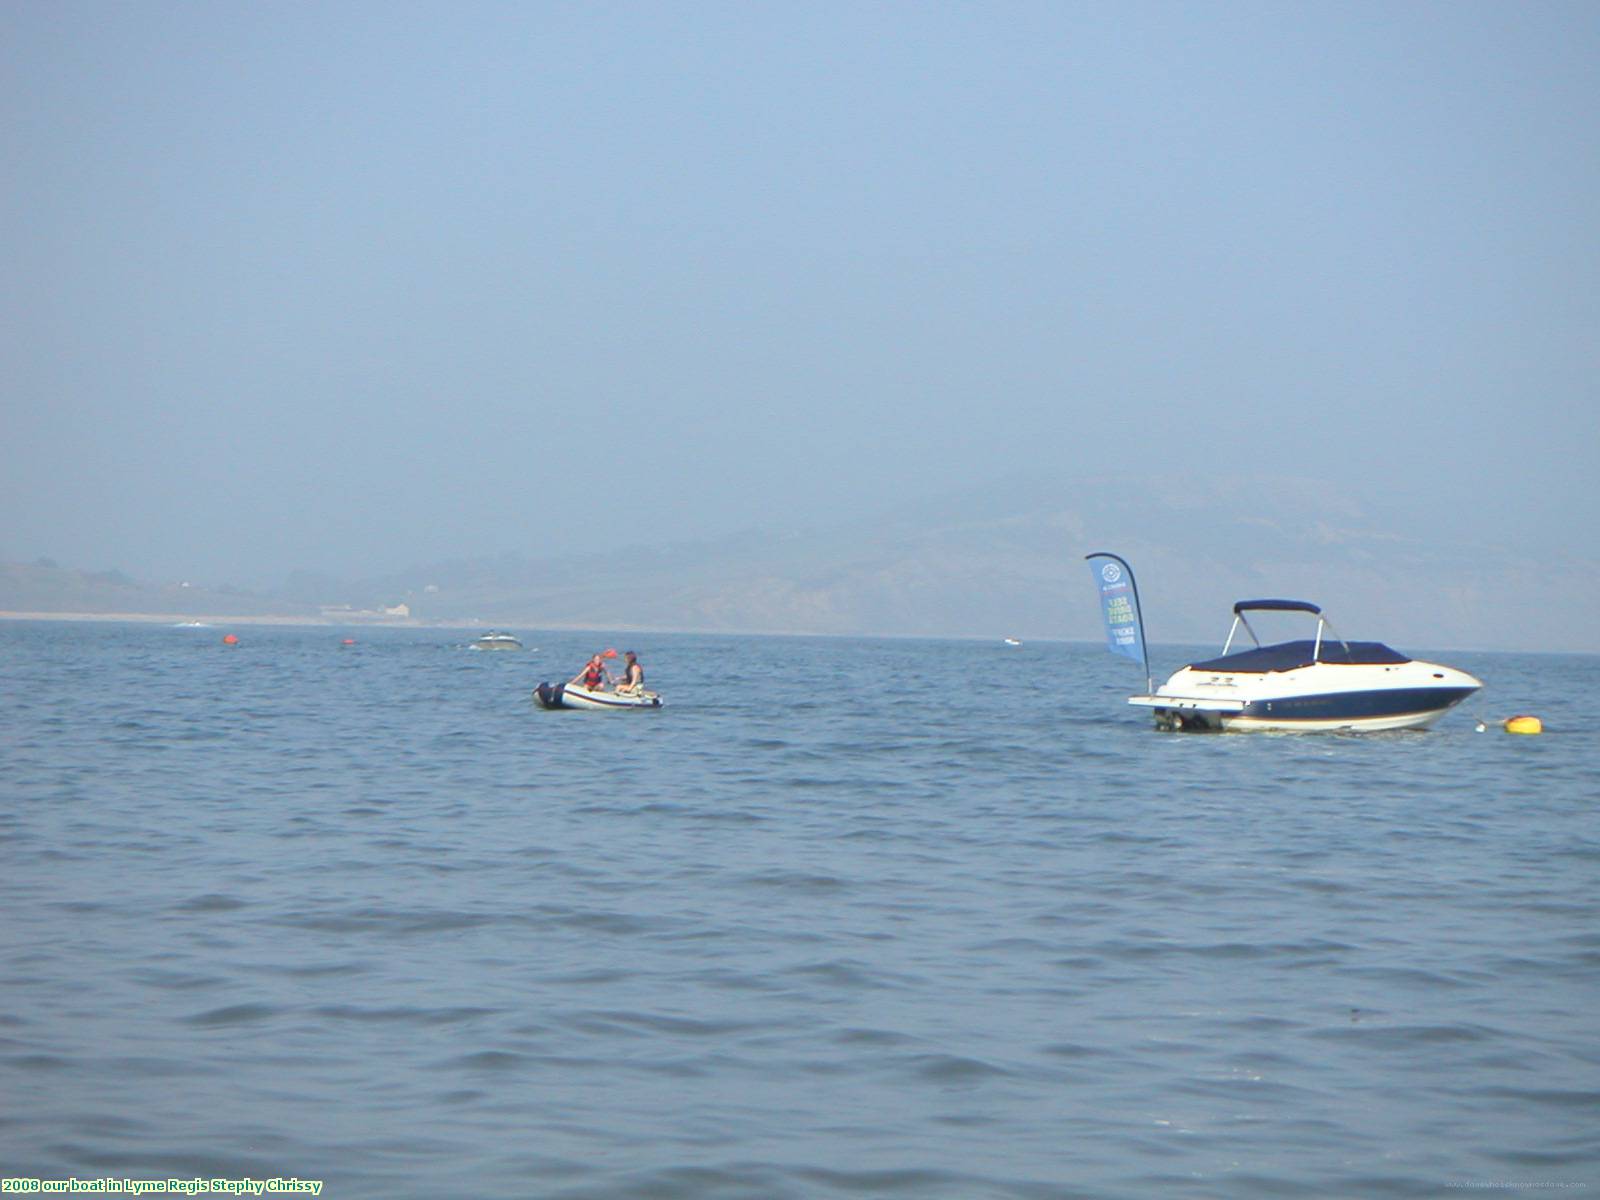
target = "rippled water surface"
x: 846, y: 918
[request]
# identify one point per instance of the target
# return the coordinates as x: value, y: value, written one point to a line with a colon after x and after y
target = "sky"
x: 350, y: 287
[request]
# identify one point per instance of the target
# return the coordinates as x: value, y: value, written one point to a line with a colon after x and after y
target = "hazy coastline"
x: 144, y: 618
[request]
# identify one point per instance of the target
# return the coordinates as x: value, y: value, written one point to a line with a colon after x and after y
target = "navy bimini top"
x: 1286, y: 656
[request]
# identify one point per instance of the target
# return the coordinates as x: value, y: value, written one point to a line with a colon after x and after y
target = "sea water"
x: 846, y: 918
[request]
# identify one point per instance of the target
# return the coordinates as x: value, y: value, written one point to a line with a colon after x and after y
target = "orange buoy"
x: 348, y: 642
x: 230, y: 639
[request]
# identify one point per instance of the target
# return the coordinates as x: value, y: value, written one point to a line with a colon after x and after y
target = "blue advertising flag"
x: 1119, y: 605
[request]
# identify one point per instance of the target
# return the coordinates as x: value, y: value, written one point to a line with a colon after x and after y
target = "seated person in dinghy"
x: 632, y: 676
x: 594, y: 675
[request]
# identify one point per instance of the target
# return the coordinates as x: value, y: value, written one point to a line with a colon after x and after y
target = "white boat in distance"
x: 495, y: 640
x: 1321, y: 684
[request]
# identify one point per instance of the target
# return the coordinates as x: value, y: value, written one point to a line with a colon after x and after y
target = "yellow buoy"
x: 1524, y: 724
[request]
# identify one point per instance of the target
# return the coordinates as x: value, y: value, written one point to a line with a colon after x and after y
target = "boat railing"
x: 1324, y: 623
x: 1233, y: 629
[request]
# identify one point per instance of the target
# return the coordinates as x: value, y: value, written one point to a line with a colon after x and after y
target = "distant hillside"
x: 1009, y: 562
x: 47, y: 588
x: 1000, y: 562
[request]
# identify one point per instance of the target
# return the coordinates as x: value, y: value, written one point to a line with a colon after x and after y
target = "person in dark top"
x: 632, y: 675
x: 594, y: 675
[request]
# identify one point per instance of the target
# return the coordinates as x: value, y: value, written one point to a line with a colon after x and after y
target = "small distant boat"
x: 191, y: 625
x: 495, y: 640
x: 1012, y: 642
x: 566, y: 695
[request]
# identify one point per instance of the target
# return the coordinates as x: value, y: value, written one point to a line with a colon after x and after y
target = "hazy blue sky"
x: 354, y: 286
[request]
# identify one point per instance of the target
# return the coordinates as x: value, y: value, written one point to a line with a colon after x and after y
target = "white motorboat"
x: 567, y: 695
x: 1324, y: 683
x: 495, y: 640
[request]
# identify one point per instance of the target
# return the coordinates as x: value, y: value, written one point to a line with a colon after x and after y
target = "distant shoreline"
x: 619, y: 630
x: 205, y: 619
